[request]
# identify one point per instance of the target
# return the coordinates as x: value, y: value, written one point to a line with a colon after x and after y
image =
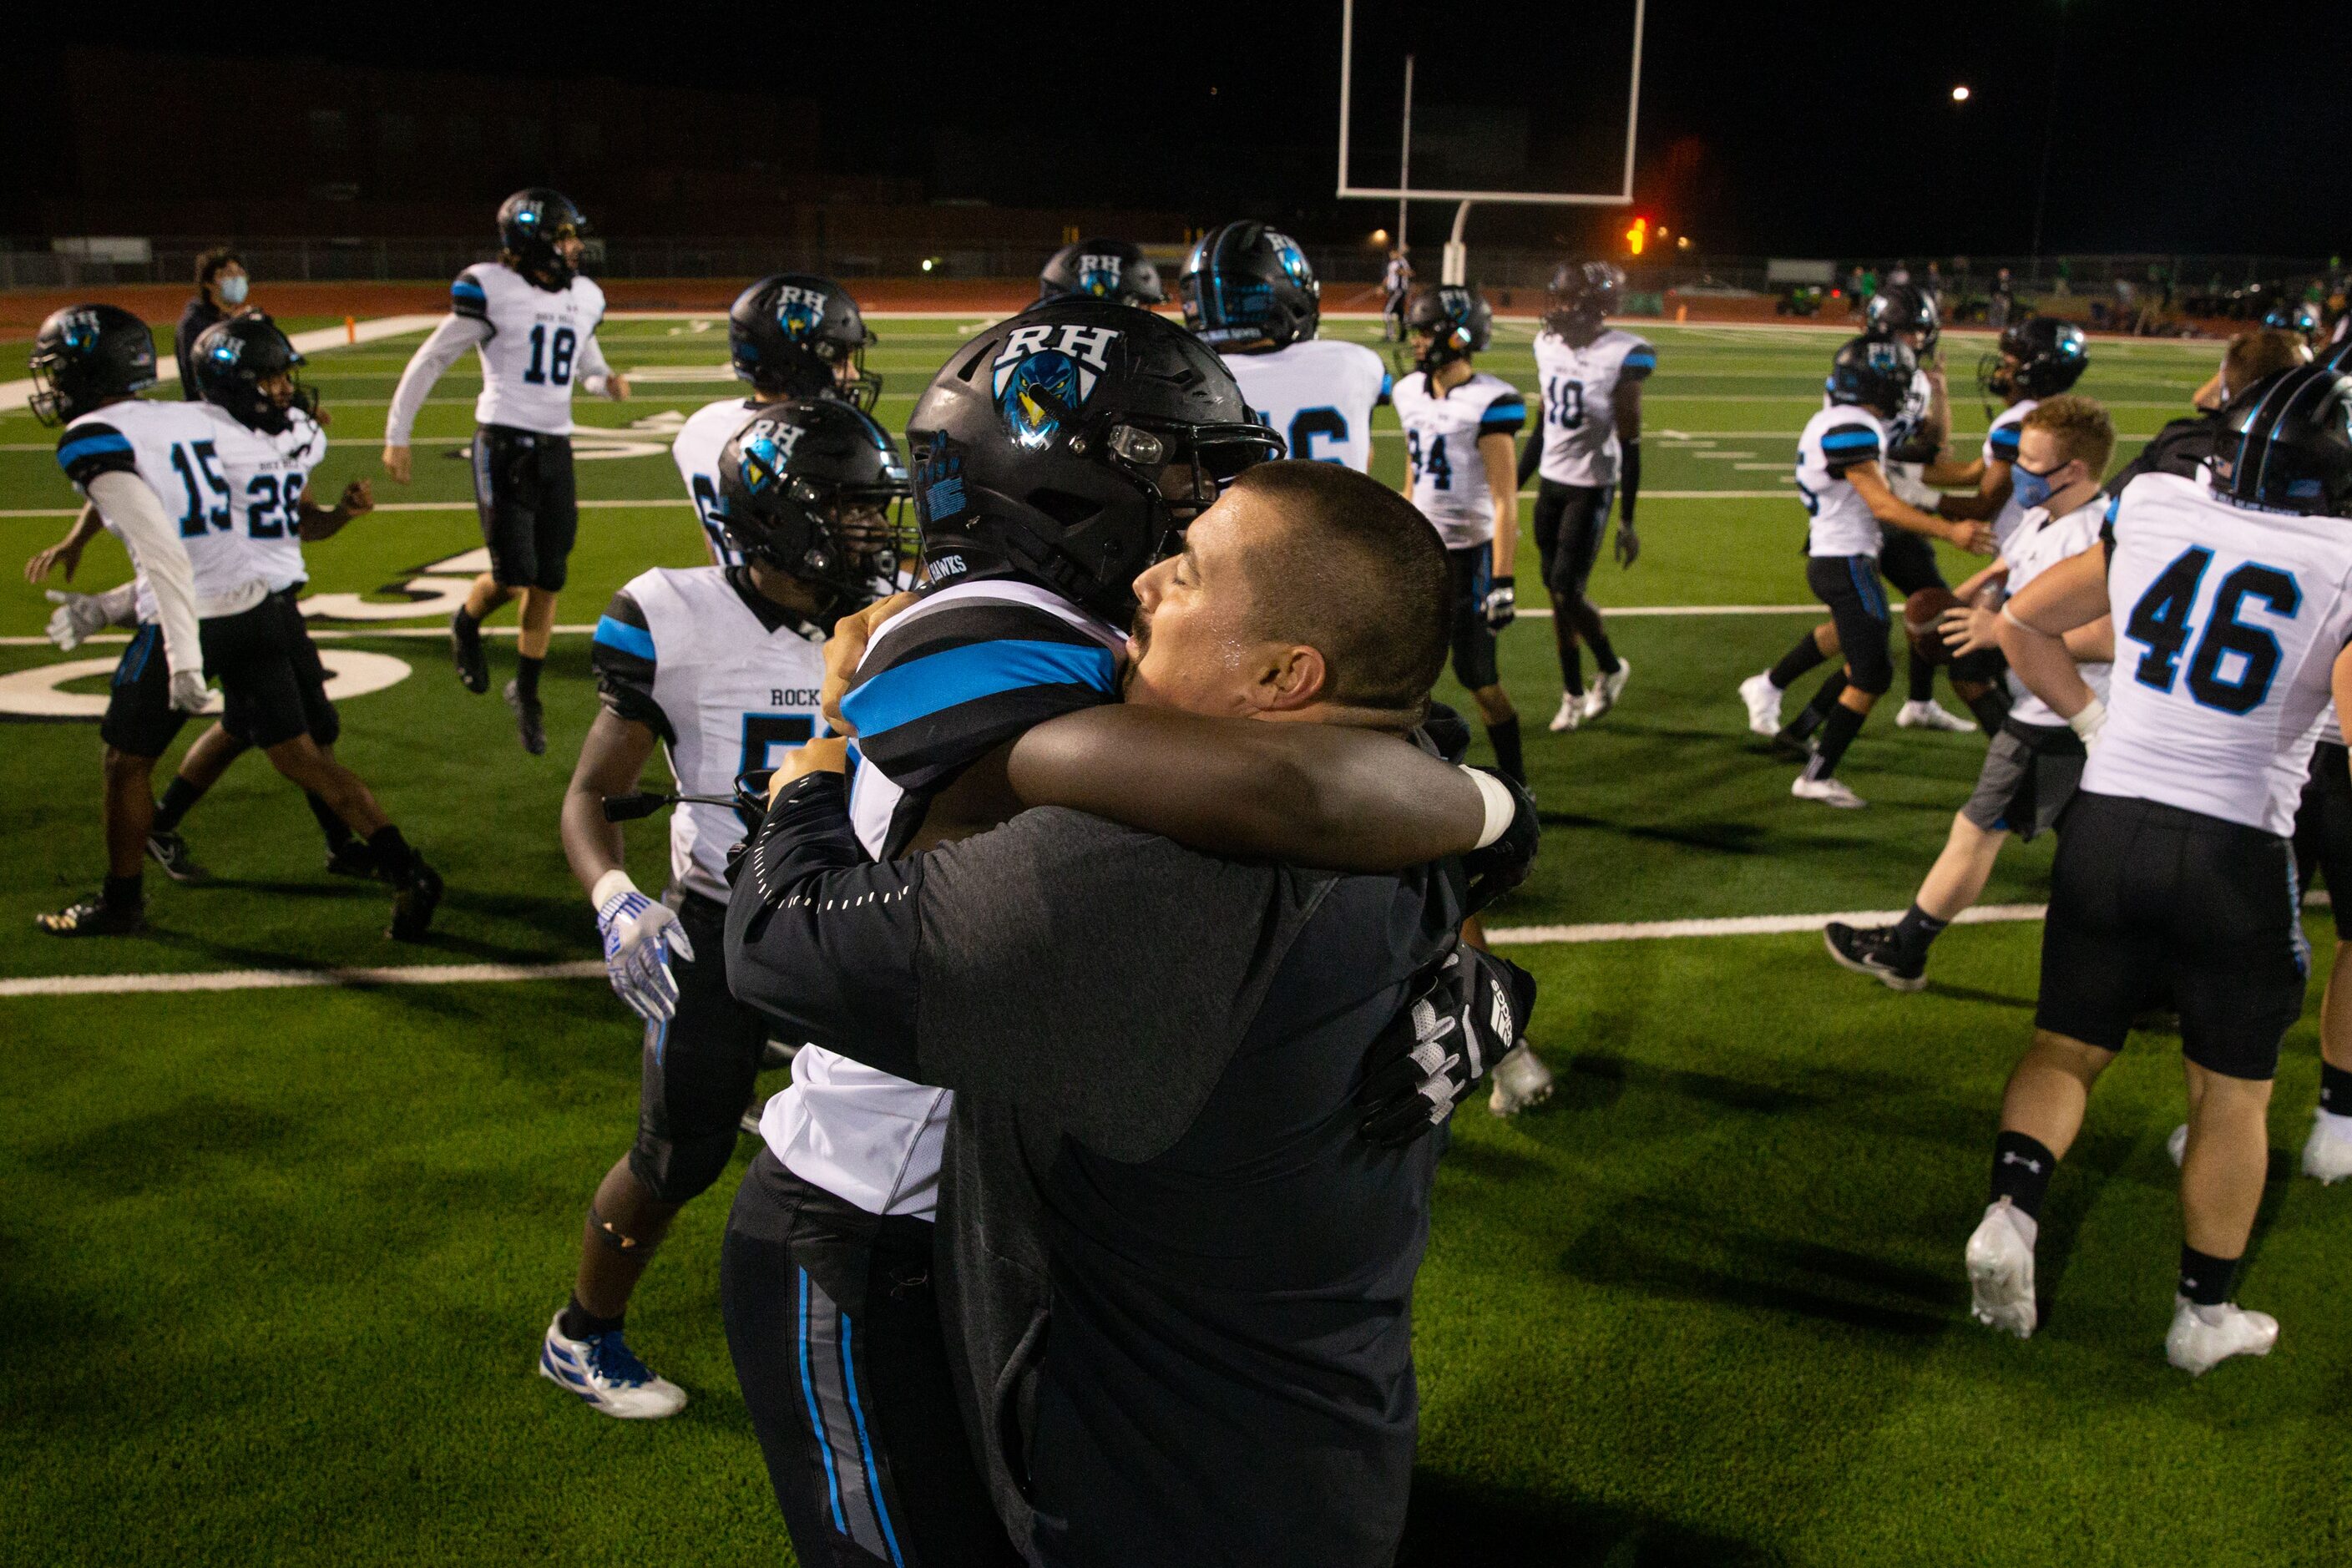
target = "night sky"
x: 1765, y: 129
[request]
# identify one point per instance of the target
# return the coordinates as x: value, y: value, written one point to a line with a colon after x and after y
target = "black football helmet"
x: 2040, y: 356
x: 1458, y: 322
x: 1101, y: 270
x: 1903, y: 308
x: 790, y: 333
x: 233, y: 357
x: 531, y: 224
x: 1246, y: 286
x: 2296, y: 316
x: 817, y: 489
x: 2287, y: 444
x: 1581, y: 293
x: 1874, y: 374
x: 1072, y: 443
x: 85, y: 355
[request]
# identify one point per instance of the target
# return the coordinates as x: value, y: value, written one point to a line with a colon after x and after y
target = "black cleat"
x: 1790, y: 746
x: 352, y: 858
x: 1872, y: 952
x: 94, y: 917
x: 169, y: 851
x: 465, y: 646
x: 413, y: 903
x: 530, y: 719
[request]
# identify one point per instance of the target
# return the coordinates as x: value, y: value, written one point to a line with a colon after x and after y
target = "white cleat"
x: 1932, y: 715
x: 1570, y: 714
x: 2202, y: 1337
x: 2000, y: 1270
x: 1828, y: 791
x: 2328, y: 1153
x: 2178, y: 1145
x: 1606, y: 689
x: 1763, y: 700
x: 607, y: 1375
x: 1520, y: 1080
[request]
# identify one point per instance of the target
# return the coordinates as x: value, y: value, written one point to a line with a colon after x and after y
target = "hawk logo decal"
x: 766, y: 451
x: 799, y: 311
x: 1043, y: 375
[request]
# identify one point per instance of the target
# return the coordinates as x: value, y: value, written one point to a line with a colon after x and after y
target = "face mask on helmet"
x: 818, y: 492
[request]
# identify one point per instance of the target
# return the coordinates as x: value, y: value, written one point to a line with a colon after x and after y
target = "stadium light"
x: 1379, y: 236
x: 1960, y: 93
x: 929, y: 263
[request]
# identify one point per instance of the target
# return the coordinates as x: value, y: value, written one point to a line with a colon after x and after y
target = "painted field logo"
x: 1043, y: 374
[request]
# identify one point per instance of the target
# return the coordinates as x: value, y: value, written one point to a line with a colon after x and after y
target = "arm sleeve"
x: 1629, y: 479
x: 1530, y: 456
x: 447, y: 343
x: 155, y: 546
x: 594, y: 370
x: 624, y: 662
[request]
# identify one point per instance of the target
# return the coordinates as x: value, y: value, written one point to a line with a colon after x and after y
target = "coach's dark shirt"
x: 200, y: 314
x: 2180, y: 447
x: 1183, y: 1281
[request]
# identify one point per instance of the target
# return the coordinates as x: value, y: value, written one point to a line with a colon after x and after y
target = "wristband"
x: 1501, y: 808
x: 610, y: 886
x: 2087, y: 724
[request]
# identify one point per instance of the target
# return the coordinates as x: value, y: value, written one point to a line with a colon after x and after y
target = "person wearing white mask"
x: 222, y: 284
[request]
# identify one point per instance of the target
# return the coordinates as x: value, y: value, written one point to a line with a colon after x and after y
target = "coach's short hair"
x: 2080, y: 427
x: 1354, y: 571
x: 2263, y: 352
x: 209, y: 265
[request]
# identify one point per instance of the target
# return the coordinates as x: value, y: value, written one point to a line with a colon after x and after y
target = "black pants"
x: 699, y: 1066
x: 258, y: 656
x: 2323, y: 830
x: 1569, y: 521
x: 832, y: 1318
x: 529, y: 505
x: 1469, y: 574
x: 1848, y: 584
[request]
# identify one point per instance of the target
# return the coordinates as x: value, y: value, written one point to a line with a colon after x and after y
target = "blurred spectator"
x: 1997, y: 305
x: 221, y: 285
x: 2066, y: 284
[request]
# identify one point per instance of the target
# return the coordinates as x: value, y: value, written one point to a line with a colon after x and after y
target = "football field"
x: 275, y: 1257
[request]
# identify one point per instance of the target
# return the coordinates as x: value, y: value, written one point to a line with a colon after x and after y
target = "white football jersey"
x: 1318, y: 394
x: 695, y: 451
x: 1836, y: 438
x: 1441, y: 438
x: 267, y: 476
x: 176, y: 448
x: 1909, y: 481
x: 2000, y: 446
x: 1578, y: 388
x: 2228, y: 624
x: 539, y: 344
x: 2038, y: 544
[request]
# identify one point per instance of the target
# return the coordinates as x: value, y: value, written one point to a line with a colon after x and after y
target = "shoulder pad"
x: 468, y: 297
x: 88, y: 447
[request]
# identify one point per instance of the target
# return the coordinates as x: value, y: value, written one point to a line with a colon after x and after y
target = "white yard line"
x: 294, y: 979
x: 13, y: 394
x: 1743, y: 925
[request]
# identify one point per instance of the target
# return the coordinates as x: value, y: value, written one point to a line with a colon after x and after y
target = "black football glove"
x: 1628, y: 547
x: 1504, y: 864
x: 1502, y: 604
x: 1466, y: 1010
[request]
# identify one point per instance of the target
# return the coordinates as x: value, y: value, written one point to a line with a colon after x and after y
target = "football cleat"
x: 530, y: 719
x: 1520, y: 1080
x: 2000, y: 1270
x: 466, y: 647
x: 1570, y: 714
x: 169, y: 851
x: 94, y: 916
x: 1828, y: 791
x: 353, y: 857
x: 1933, y: 715
x: 1606, y: 689
x: 417, y: 895
x: 2178, y: 1145
x: 1872, y: 951
x: 2328, y: 1152
x: 2202, y: 1337
x: 607, y: 1375
x: 1763, y: 700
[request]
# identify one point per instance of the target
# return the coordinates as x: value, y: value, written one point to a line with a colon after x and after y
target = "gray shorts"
x: 2029, y: 775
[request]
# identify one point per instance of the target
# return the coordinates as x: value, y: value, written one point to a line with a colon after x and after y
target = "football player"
x: 1851, y: 507
x: 2038, y: 357
x: 719, y: 666
x: 790, y: 337
x: 1590, y: 449
x: 1114, y: 269
x: 2298, y: 317
x: 2030, y: 771
x: 1461, y: 427
x: 1249, y: 294
x: 531, y: 318
x: 2232, y: 595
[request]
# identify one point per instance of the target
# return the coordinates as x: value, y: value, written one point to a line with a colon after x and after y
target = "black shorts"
x: 530, y: 506
x: 319, y: 715
x: 1569, y: 523
x: 253, y: 655
x: 832, y: 1318
x: 699, y: 1066
x: 1907, y: 559
x: 2323, y: 829
x: 1848, y: 584
x: 2029, y: 775
x: 2147, y: 899
x: 1469, y: 572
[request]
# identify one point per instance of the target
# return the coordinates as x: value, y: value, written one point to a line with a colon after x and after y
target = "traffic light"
x: 1637, y: 237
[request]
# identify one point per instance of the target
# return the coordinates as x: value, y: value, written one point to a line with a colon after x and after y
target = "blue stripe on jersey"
x: 1641, y: 359
x: 2003, y: 440
x: 1504, y: 414
x: 937, y: 681
x: 74, y: 451
x: 1388, y: 386
x: 1850, y: 438
x: 465, y: 288
x: 625, y: 637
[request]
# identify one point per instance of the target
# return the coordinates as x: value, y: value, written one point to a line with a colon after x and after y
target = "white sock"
x: 2335, y: 1126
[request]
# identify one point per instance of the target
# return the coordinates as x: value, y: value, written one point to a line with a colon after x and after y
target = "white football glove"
x: 76, y: 617
x: 189, y: 693
x: 1502, y: 606
x: 639, y: 936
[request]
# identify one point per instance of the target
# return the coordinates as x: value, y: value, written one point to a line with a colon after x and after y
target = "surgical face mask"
x: 231, y: 288
x: 2032, y: 489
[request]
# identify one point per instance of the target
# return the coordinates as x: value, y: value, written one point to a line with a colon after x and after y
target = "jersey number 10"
x: 551, y: 363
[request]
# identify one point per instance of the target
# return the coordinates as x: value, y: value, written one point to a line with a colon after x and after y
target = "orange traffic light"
x: 1637, y: 237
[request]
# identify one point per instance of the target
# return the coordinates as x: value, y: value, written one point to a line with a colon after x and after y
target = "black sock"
x: 1917, y: 928
x: 579, y: 1323
x: 1572, y: 669
x: 338, y: 831
x: 1923, y: 678
x: 1838, y: 731
x: 1807, y: 655
x: 1504, y: 738
x: 2335, y: 1090
x: 2204, y: 1278
x: 527, y: 678
x: 1812, y: 716
x: 124, y: 892
x: 1991, y: 708
x: 178, y: 795
x: 392, y: 852
x: 1605, y: 655
x: 465, y: 621
x: 2022, y: 1169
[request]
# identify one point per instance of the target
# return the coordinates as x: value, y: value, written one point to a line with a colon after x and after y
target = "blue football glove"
x: 639, y: 936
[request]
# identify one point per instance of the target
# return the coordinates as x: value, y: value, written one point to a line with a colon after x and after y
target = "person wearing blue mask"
x: 221, y: 283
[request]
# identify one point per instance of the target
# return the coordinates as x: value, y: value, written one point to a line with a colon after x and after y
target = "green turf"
x: 273, y: 1264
